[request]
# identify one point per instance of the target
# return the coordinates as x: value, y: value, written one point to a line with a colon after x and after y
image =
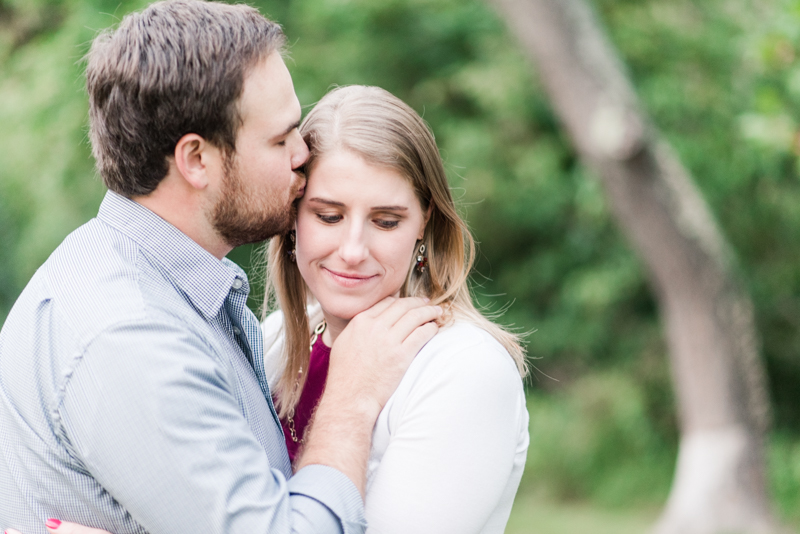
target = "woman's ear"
x: 425, y: 220
x: 196, y: 160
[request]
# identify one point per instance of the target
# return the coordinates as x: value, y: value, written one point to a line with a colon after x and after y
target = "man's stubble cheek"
x: 242, y: 216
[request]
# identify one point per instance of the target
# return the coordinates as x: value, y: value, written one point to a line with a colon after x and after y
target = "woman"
x: 377, y: 219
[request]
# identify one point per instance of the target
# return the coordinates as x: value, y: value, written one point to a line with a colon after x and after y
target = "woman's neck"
x: 334, y: 328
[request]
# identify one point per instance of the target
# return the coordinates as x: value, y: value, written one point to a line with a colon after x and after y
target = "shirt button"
x: 237, y: 283
x: 236, y: 330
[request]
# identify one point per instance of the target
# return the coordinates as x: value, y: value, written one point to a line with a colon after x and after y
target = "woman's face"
x: 357, y: 227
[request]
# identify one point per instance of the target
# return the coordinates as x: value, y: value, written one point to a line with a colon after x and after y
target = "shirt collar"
x: 204, y: 279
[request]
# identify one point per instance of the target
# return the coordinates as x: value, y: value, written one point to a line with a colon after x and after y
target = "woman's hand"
x: 54, y: 526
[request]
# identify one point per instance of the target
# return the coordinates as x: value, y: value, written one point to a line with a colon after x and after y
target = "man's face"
x: 259, y: 183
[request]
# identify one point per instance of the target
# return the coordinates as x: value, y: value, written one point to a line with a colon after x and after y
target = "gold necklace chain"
x: 290, y: 418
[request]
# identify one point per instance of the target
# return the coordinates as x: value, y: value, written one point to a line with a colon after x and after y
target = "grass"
x: 533, y: 513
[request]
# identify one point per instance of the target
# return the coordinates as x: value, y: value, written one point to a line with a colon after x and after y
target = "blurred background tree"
x: 707, y: 316
x: 720, y: 79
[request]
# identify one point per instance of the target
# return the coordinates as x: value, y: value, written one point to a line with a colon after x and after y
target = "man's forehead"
x: 268, y: 87
x: 268, y: 94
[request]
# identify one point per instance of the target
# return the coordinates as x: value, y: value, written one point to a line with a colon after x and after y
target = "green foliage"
x: 783, y: 462
x: 47, y: 185
x: 720, y: 79
x: 595, y: 440
x: 770, y: 222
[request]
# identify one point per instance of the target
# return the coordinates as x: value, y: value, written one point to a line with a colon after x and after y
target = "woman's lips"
x: 348, y: 279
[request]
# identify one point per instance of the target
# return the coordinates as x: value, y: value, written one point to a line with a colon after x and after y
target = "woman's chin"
x: 345, y: 311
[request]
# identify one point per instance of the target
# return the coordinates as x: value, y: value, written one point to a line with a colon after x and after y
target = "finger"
x: 54, y: 526
x: 419, y: 337
x: 379, y: 307
x: 12, y: 531
x: 399, y: 308
x: 413, y: 319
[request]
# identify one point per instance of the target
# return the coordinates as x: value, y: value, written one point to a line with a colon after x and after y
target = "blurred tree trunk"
x: 718, y: 376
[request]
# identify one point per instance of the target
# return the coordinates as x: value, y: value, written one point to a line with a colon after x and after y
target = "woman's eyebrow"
x: 341, y: 204
x: 389, y: 208
x: 326, y: 201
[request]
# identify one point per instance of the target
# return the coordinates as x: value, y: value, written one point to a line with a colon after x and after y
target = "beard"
x: 242, y: 217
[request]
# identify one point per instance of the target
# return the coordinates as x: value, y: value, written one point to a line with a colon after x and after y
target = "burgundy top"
x: 312, y: 391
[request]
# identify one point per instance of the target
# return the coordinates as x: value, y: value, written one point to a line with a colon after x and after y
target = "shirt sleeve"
x: 452, y: 447
x: 152, y: 417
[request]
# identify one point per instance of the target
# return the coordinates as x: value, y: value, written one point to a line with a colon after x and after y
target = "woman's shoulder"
x: 273, y: 336
x: 464, y: 338
x: 464, y: 331
x: 272, y: 326
x: 464, y: 349
x: 272, y: 333
x: 463, y: 369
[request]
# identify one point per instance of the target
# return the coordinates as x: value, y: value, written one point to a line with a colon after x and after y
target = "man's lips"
x: 348, y: 279
x: 301, y: 178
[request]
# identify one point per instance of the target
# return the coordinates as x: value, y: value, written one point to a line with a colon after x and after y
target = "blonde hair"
x: 386, y: 132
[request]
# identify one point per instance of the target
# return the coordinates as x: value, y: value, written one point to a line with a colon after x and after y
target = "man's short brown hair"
x: 177, y: 67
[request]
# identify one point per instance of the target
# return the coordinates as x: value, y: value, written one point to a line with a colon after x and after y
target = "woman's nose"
x: 353, y: 249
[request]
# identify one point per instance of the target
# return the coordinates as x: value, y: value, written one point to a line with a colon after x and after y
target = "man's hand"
x: 368, y: 360
x: 371, y: 355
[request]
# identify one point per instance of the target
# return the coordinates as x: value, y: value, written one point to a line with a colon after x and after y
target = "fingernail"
x: 441, y: 310
x: 52, y: 523
x: 426, y: 299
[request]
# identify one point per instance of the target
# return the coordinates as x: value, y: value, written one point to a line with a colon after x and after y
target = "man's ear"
x: 425, y: 221
x: 193, y: 156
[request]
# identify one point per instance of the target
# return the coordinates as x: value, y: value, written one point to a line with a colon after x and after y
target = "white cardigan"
x: 449, y: 447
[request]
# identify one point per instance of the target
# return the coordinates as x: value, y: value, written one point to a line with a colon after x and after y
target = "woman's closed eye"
x: 329, y: 218
x: 386, y: 224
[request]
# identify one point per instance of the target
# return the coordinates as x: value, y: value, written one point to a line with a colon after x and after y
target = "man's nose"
x: 300, y: 150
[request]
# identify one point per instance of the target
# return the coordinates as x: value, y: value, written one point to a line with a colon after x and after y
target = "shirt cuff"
x: 333, y: 489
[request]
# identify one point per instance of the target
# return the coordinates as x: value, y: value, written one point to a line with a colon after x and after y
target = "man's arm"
x: 153, y: 418
x: 166, y: 439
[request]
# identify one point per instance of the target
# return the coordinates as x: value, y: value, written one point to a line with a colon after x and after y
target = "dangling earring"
x: 422, y: 259
x: 293, y: 251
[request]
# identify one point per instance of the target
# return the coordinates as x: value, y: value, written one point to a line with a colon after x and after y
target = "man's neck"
x: 185, y: 211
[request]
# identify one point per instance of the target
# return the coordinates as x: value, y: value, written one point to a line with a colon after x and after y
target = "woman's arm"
x: 457, y: 447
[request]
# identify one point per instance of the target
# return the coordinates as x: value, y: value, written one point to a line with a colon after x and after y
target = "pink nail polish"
x: 52, y: 523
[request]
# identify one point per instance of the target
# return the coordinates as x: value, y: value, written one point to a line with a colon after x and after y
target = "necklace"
x: 290, y: 418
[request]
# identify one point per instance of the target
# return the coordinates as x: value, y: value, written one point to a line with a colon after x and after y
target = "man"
x: 132, y: 388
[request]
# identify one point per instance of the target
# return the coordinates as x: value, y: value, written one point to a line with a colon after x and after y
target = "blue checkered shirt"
x: 133, y: 395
